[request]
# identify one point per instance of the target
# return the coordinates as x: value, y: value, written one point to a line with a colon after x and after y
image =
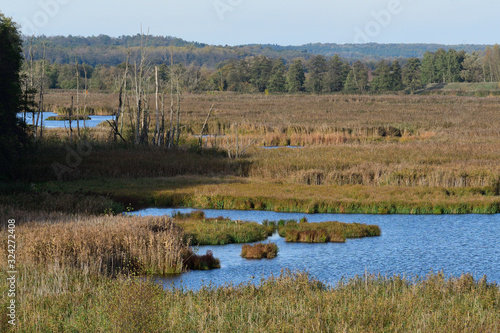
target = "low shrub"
x: 259, y: 251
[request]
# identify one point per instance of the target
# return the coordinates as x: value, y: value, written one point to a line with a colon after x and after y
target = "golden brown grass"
x: 259, y: 251
x: 108, y: 245
x: 104, y: 245
x: 324, y: 232
x: 445, y: 141
x: 67, y: 301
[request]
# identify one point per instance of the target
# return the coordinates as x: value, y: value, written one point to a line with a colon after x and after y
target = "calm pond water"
x: 95, y: 120
x: 410, y: 245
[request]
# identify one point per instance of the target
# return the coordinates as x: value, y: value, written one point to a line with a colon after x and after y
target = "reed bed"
x: 107, y: 245
x: 407, y: 141
x: 292, y: 302
x: 324, y: 232
x: 200, y: 230
x: 67, y: 117
x: 261, y: 114
x: 255, y: 194
x: 259, y: 251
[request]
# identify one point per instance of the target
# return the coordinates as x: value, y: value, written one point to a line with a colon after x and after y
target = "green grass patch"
x: 64, y: 118
x: 324, y: 232
x: 248, y: 194
x: 200, y: 230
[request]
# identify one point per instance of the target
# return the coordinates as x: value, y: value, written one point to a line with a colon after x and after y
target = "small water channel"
x: 93, y: 122
x: 410, y: 245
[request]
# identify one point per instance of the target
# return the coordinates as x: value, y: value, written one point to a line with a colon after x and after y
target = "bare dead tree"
x: 141, y: 132
x: 239, y: 150
x: 156, y: 138
x: 124, y: 86
x: 77, y: 97
x: 178, y: 127
x: 70, y: 116
x: 85, y: 97
x: 161, y: 135
x: 171, y: 131
x: 41, y: 97
x: 205, y: 126
x: 121, y: 106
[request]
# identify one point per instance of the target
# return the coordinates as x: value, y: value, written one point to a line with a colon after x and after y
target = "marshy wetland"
x: 385, y: 160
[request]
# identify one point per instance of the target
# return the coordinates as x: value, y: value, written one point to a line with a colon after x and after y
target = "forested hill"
x: 105, y: 50
x: 374, y: 51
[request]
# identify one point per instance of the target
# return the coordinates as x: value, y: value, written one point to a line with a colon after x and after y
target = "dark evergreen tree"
x: 428, y: 68
x: 277, y: 81
x: 260, y: 72
x: 412, y: 75
x: 12, y: 135
x: 317, y: 69
x: 396, y: 77
x: 357, y: 79
x: 381, y: 77
x: 296, y: 77
x: 336, y: 75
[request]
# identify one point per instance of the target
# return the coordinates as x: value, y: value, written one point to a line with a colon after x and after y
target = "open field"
x: 443, y: 141
x: 370, y: 154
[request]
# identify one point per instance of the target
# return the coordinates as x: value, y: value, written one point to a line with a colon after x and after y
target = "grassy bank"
x: 72, y: 117
x: 323, y: 232
x: 200, y: 230
x: 253, y: 194
x: 291, y: 302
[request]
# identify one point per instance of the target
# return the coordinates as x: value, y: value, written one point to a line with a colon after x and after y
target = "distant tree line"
x: 318, y: 74
x: 105, y: 50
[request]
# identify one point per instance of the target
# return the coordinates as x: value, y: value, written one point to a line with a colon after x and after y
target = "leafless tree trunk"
x: 70, y: 118
x: 138, y: 88
x: 178, y: 127
x: 157, y: 130
x: 162, y: 127
x: 171, y: 131
x: 40, y: 105
x: 141, y: 134
x: 204, y: 126
x: 124, y: 85
x: 85, y: 98
x: 77, y: 97
x: 32, y: 85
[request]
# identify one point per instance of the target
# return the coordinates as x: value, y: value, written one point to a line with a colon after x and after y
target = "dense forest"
x: 105, y: 50
x: 198, y: 67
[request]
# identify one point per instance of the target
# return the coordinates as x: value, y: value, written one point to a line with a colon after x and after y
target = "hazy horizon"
x: 241, y: 22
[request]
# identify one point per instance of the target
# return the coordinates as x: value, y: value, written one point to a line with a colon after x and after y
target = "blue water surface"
x: 93, y: 122
x: 410, y: 245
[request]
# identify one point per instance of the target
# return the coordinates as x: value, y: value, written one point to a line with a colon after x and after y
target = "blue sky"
x: 284, y: 22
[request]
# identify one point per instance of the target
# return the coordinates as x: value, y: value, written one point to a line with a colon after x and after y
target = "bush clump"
x: 259, y: 251
x: 324, y: 232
